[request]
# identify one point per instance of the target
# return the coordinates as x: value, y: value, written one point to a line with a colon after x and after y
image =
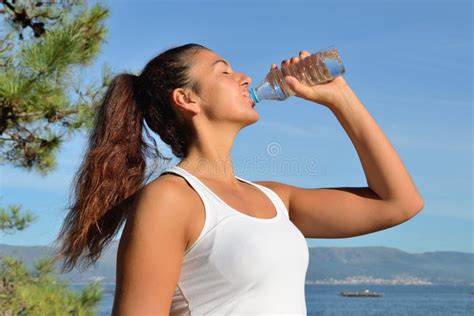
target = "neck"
x: 210, y: 157
x: 219, y: 170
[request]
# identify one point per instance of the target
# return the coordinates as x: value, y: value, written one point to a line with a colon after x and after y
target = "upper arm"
x: 342, y: 212
x: 150, y: 252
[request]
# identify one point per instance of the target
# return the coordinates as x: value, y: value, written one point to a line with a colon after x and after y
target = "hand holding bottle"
x: 317, y: 78
x: 325, y: 93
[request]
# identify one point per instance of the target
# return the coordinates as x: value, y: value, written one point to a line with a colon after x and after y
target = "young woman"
x: 199, y: 239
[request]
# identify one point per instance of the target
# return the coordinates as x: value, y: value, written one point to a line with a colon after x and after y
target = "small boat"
x: 361, y: 293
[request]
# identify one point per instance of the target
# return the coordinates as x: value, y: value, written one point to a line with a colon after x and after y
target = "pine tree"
x: 43, y: 47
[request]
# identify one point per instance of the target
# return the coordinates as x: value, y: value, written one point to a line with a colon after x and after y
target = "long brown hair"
x: 113, y: 168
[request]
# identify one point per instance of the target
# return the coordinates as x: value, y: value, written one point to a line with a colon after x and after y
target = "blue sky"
x: 409, y: 62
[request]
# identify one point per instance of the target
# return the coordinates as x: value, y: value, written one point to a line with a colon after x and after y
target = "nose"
x: 246, y: 80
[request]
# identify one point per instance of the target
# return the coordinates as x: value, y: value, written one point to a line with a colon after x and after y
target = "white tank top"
x: 240, y: 264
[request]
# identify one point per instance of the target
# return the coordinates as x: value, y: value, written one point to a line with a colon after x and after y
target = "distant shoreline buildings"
x: 362, y: 279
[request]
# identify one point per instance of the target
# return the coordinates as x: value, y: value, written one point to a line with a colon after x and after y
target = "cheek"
x: 226, y: 94
x: 223, y: 98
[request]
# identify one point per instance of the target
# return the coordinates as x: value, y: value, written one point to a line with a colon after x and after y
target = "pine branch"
x: 34, y: 96
x: 21, y: 18
x: 52, y: 116
x: 12, y: 219
x: 36, y: 115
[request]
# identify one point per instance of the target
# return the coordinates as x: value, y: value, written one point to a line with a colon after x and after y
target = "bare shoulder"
x: 152, y: 247
x: 162, y: 205
x: 169, y: 186
x: 168, y: 197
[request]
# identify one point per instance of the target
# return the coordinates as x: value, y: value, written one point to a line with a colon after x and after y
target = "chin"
x: 253, y: 119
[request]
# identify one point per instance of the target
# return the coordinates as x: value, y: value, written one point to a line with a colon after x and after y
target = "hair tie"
x: 137, y: 87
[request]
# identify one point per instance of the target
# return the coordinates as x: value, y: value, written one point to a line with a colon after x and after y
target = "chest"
x: 247, y: 199
x: 246, y: 251
x: 250, y: 201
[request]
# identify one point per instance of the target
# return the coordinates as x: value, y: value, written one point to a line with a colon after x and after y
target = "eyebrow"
x: 220, y: 60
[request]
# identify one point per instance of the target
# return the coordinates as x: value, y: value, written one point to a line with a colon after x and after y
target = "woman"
x: 198, y: 239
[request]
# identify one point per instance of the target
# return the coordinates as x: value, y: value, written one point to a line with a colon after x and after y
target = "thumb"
x: 301, y: 90
x: 293, y: 83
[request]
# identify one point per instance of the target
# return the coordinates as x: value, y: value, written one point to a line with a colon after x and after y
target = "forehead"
x: 205, y: 60
x: 203, y: 64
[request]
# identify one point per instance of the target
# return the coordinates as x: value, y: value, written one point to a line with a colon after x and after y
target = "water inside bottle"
x: 321, y: 67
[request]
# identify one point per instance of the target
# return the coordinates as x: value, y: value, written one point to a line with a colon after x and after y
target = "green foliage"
x: 11, y: 219
x: 41, y: 99
x: 41, y: 292
x: 43, y: 47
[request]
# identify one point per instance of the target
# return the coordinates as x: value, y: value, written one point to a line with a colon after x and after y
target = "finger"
x: 294, y: 60
x: 290, y: 61
x: 274, y: 66
x: 285, y: 62
x: 304, y: 53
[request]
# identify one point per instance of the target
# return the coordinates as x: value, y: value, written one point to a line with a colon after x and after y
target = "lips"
x: 247, y: 96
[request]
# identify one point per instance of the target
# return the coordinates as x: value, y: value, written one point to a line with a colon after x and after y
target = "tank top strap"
x: 196, y: 185
x: 220, y: 209
x: 281, y: 207
x: 213, y: 210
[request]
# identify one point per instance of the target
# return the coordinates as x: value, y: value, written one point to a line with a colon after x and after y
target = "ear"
x: 186, y: 101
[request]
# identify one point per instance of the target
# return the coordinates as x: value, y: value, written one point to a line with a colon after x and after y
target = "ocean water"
x: 398, y: 300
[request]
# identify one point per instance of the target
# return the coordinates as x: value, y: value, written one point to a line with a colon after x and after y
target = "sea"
x: 398, y: 300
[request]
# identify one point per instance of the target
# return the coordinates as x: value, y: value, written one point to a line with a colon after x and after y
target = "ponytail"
x: 113, y: 169
x: 111, y: 173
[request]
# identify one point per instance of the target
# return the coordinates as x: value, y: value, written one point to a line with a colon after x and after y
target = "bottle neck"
x: 253, y: 95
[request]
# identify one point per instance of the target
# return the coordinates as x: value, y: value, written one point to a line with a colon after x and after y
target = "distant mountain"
x: 336, y: 265
x: 390, y: 266
x: 103, y: 270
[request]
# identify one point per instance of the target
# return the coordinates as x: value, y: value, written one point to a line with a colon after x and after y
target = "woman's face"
x: 224, y: 95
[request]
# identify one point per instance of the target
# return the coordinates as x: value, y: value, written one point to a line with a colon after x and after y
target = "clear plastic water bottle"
x: 322, y: 66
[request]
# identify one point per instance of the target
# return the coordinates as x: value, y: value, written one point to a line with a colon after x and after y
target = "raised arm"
x: 386, y: 175
x: 390, y: 198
